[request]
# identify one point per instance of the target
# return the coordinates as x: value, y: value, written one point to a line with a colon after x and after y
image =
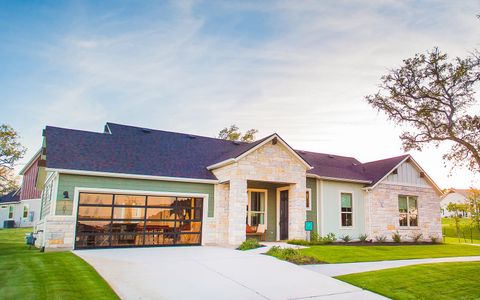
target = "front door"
x: 284, y: 215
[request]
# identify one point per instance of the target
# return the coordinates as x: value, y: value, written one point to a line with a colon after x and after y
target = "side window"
x: 346, y: 212
x: 408, y: 211
x: 308, y: 199
x: 10, y: 212
x: 25, y: 211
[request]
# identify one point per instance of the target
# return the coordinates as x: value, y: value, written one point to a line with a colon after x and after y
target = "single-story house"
x: 456, y: 196
x: 129, y: 186
x: 21, y: 208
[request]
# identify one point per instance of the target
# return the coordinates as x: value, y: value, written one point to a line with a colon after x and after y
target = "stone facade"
x: 269, y: 163
x: 382, y: 216
x: 56, y: 233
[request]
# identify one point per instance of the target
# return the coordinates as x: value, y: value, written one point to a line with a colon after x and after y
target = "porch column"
x: 237, y: 205
x: 297, y: 212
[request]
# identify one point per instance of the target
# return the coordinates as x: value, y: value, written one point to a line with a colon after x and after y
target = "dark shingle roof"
x: 13, y: 196
x: 141, y: 151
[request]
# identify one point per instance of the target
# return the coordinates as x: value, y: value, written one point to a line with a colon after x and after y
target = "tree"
x: 10, y: 152
x: 473, y: 206
x: 458, y: 211
x: 232, y: 133
x: 431, y: 96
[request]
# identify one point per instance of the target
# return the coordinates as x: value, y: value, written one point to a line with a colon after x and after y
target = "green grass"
x: 31, y: 274
x: 343, y: 254
x: 466, y: 236
x: 428, y: 281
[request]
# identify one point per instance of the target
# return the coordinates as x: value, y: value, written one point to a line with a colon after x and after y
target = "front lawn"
x: 428, y: 281
x: 30, y: 274
x: 344, y: 254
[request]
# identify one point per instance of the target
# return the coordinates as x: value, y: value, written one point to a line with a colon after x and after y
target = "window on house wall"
x: 346, y: 213
x: 10, y: 212
x: 25, y: 211
x: 256, y: 208
x: 407, y: 207
x: 308, y: 199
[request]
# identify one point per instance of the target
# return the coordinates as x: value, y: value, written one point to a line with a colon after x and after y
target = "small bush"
x: 314, y: 237
x: 329, y: 238
x: 363, y: 238
x: 380, y: 239
x: 417, y: 237
x: 291, y: 255
x: 434, y: 239
x: 301, y: 242
x: 346, y: 238
x: 249, y: 244
x: 396, y: 237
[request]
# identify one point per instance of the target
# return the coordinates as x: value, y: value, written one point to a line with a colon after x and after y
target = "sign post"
x: 308, y: 229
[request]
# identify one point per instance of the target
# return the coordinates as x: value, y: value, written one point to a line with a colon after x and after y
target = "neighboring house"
x: 457, y: 196
x: 23, y: 205
x: 131, y: 186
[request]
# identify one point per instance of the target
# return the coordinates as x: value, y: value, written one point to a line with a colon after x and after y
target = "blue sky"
x: 298, y: 68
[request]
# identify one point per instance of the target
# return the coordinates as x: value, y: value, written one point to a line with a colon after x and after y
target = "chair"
x: 260, y: 231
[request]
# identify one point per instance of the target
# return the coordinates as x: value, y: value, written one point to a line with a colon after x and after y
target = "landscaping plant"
x: 380, y: 239
x: 434, y: 239
x: 396, y: 237
x: 417, y: 237
x: 292, y: 255
x: 363, y: 238
x: 346, y: 238
x: 249, y: 244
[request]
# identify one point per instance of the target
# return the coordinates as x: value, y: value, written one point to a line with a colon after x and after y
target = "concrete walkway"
x: 333, y: 270
x: 212, y: 273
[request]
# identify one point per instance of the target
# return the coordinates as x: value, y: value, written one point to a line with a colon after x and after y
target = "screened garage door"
x: 113, y: 220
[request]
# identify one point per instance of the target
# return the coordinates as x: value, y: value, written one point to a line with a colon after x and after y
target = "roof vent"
x: 422, y: 174
x: 236, y: 142
x: 146, y: 130
x: 191, y: 137
x: 395, y: 171
x: 331, y: 156
x: 302, y: 152
x: 354, y: 164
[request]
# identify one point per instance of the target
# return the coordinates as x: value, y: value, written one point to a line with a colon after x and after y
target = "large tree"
x: 10, y: 152
x: 433, y: 97
x: 232, y: 133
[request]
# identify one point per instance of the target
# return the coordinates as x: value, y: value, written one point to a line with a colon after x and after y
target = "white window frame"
x: 309, y: 191
x: 408, y: 212
x: 340, y: 209
x: 249, y: 211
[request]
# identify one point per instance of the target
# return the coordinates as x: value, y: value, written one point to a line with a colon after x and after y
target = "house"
x: 129, y: 186
x: 457, y: 196
x: 23, y: 205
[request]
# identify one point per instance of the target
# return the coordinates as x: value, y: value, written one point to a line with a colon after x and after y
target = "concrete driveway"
x: 212, y: 273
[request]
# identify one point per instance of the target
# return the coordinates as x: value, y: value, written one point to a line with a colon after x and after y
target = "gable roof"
x: 31, y: 161
x: 137, y: 151
x: 12, y: 197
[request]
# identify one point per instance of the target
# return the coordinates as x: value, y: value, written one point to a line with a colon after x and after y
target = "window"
x: 256, y: 207
x: 407, y: 207
x: 346, y: 209
x: 25, y: 211
x: 10, y: 212
x: 308, y: 199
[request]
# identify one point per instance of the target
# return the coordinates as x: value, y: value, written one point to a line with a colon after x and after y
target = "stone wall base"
x: 56, y: 233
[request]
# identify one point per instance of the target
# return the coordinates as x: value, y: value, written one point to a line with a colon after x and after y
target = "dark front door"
x: 284, y: 215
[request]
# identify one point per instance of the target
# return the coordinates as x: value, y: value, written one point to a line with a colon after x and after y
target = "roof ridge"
x: 385, y: 159
x: 343, y: 156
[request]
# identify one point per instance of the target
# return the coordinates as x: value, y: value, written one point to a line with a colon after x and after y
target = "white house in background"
x: 457, y: 196
x: 21, y: 208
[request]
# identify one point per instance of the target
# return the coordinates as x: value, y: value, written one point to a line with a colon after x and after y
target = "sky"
x: 297, y: 68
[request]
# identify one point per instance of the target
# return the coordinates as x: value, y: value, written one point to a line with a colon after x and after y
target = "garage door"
x: 114, y: 220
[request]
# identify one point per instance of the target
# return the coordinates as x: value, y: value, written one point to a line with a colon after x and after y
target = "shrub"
x: 346, y: 238
x: 249, y: 244
x: 301, y: 242
x: 329, y: 238
x: 380, y: 239
x: 434, y: 239
x: 396, y: 237
x: 291, y: 255
x: 417, y: 237
x: 363, y: 238
x: 314, y: 237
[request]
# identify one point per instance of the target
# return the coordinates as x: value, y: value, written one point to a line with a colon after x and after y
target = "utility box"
x: 8, y: 224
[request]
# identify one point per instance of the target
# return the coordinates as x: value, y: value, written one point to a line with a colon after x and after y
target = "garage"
x: 107, y: 220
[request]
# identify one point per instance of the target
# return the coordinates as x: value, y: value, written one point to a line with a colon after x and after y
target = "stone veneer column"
x: 297, y: 213
x: 237, y: 211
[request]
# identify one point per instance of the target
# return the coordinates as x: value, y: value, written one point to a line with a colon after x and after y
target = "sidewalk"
x: 333, y: 270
